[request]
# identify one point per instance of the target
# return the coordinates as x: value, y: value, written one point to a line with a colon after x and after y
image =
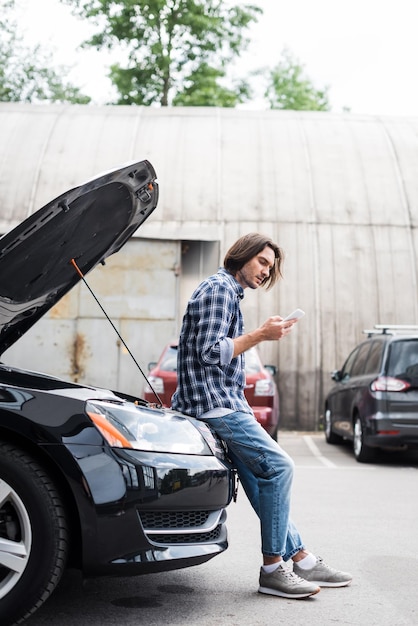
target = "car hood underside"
x: 79, y: 229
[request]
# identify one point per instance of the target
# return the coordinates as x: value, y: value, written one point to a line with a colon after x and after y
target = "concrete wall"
x: 338, y: 192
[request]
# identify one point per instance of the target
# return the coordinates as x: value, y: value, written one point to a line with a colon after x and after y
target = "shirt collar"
x: 233, y: 282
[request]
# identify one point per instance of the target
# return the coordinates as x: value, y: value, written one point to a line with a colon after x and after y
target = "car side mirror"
x: 272, y: 369
x: 151, y: 365
x: 336, y: 375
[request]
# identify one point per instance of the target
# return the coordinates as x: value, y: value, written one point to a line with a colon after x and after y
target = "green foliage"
x: 202, y: 88
x: 25, y: 74
x: 290, y: 88
x: 176, y: 50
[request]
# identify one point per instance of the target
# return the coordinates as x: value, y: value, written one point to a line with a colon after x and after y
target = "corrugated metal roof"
x: 338, y: 192
x: 218, y: 165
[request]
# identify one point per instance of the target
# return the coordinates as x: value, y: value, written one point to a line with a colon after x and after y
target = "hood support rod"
x: 80, y: 273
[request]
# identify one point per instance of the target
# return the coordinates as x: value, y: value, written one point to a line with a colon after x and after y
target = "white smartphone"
x: 297, y: 313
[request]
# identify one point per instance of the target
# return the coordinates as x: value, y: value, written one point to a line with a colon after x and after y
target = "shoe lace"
x: 321, y: 563
x: 292, y: 576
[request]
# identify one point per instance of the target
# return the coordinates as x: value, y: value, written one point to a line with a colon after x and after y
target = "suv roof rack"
x: 392, y: 329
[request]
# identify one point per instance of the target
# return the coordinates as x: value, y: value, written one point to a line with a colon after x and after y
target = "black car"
x: 91, y: 478
x: 374, y: 401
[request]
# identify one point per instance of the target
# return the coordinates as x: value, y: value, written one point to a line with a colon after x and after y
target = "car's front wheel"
x: 362, y: 452
x: 33, y: 535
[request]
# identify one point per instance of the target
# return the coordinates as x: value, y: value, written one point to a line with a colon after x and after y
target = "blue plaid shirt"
x: 208, y: 377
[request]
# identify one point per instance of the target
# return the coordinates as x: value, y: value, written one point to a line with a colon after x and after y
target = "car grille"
x: 175, y: 527
x: 174, y: 519
x: 186, y: 538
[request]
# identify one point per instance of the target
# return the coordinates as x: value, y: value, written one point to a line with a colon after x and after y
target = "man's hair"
x: 246, y: 248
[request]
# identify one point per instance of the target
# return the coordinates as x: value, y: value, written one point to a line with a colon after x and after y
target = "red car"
x: 260, y: 390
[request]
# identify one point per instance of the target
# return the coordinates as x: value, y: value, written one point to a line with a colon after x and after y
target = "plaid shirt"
x: 208, y: 377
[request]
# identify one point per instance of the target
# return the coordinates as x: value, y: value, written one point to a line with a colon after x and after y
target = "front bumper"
x: 267, y: 417
x: 150, y: 512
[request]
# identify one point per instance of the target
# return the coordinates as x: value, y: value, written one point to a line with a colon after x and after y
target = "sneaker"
x: 323, y: 575
x: 285, y: 583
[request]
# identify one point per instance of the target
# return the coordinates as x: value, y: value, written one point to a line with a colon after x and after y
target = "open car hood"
x: 87, y: 224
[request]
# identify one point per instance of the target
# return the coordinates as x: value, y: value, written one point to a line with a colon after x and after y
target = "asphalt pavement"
x: 359, y: 518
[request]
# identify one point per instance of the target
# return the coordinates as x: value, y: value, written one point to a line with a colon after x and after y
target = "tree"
x: 25, y: 74
x: 177, y: 51
x: 202, y: 87
x: 289, y: 88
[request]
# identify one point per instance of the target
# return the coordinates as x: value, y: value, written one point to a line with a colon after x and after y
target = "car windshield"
x: 169, y: 361
x: 403, y: 360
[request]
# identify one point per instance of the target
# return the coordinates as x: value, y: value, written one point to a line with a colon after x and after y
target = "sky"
x: 365, y: 51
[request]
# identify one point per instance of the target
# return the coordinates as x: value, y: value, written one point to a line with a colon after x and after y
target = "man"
x: 211, y: 380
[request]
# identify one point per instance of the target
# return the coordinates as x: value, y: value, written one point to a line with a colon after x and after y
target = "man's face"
x: 256, y: 269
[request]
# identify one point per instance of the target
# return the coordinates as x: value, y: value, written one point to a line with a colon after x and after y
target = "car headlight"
x: 211, y: 438
x: 264, y: 387
x: 125, y: 425
x: 155, y: 384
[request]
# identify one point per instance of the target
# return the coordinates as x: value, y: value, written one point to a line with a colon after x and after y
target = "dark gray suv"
x: 374, y: 401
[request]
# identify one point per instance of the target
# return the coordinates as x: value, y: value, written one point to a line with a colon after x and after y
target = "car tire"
x: 330, y: 436
x: 34, y: 534
x: 362, y: 452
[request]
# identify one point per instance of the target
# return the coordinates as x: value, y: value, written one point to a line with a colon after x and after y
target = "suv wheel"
x: 362, y: 452
x: 33, y: 535
x: 330, y: 436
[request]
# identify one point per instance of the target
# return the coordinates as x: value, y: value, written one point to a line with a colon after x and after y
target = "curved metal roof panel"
x: 242, y: 166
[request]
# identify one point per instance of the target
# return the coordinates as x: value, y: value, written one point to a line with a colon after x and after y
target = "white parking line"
x: 316, y: 452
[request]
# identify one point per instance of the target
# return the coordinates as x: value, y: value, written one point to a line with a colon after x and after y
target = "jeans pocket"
x: 261, y: 466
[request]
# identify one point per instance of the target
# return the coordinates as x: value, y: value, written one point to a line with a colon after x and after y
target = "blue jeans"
x: 266, y: 472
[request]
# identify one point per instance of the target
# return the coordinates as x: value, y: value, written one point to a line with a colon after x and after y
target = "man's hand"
x: 273, y: 329
x: 276, y: 327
